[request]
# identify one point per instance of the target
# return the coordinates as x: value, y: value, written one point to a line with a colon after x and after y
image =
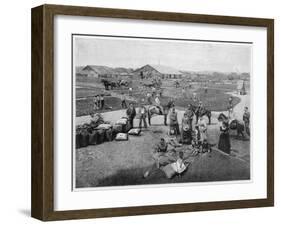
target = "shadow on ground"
x: 214, y: 166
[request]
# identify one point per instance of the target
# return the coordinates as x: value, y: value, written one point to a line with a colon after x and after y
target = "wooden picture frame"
x: 42, y: 203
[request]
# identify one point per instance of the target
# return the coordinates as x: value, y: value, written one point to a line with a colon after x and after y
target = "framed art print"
x: 141, y: 112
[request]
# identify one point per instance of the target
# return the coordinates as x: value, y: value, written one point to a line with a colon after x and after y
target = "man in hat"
x: 142, y: 113
x: 174, y: 124
x: 158, y: 104
x: 190, y: 115
x: 198, y: 110
x: 123, y: 101
x: 246, y: 119
x: 131, y: 114
x: 102, y: 101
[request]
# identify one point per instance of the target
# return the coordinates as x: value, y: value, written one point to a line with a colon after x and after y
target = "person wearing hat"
x: 246, y: 119
x: 102, y: 101
x: 158, y: 104
x: 95, y: 103
x: 186, y: 132
x: 190, y: 115
x: 123, y: 101
x: 174, y: 124
x: 198, y: 110
x: 162, y: 154
x: 142, y: 113
x: 131, y: 114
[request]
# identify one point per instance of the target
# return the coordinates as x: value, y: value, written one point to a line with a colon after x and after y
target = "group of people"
x: 131, y: 114
x: 189, y: 135
x: 98, y: 101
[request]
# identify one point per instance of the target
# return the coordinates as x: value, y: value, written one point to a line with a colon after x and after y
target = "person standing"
x: 174, y: 124
x: 202, y: 125
x: 230, y: 104
x: 99, y: 102
x: 149, y: 101
x: 186, y: 132
x: 102, y: 101
x: 131, y: 114
x: 190, y: 115
x: 246, y: 119
x: 224, y: 140
x: 130, y: 91
x: 95, y: 103
x: 142, y: 113
x: 153, y: 89
x: 198, y: 110
x: 123, y: 101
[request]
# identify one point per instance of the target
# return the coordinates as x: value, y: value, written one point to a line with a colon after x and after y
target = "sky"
x: 181, y: 55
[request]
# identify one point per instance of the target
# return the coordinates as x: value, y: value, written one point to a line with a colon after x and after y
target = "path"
x: 113, y: 116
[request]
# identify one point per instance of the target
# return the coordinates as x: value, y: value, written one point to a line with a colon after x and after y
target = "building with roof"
x: 164, y: 72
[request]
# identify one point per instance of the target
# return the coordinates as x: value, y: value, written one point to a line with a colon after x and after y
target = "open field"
x: 216, y: 98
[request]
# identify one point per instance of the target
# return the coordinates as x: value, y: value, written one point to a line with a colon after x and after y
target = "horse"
x: 203, y: 111
x: 234, y: 125
x: 154, y: 110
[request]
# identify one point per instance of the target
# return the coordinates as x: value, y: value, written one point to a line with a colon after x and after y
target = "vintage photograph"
x: 150, y: 111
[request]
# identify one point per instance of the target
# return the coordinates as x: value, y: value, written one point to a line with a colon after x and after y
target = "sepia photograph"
x: 160, y: 111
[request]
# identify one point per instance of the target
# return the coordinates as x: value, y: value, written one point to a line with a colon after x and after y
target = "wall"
x: 15, y: 111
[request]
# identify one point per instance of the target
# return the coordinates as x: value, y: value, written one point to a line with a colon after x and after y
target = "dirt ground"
x: 124, y: 163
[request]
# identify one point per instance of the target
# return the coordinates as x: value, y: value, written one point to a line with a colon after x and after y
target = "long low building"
x: 164, y: 72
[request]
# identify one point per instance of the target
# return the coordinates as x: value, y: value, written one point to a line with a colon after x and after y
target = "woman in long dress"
x: 186, y: 131
x: 224, y: 140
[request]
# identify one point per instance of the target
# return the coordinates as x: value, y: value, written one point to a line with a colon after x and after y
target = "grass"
x: 214, y: 99
x: 86, y: 106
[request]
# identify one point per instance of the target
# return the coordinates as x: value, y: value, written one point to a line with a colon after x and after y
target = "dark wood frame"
x: 42, y: 202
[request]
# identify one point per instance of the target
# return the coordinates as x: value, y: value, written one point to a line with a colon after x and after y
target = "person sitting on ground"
x: 162, y: 155
x: 131, y: 114
x: 206, y: 147
x: 180, y: 165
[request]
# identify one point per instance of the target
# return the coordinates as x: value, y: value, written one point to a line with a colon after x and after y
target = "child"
x: 206, y: 147
x: 195, y: 143
x: 180, y: 166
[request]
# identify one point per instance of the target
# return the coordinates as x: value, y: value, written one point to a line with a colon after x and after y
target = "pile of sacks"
x: 99, y: 131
